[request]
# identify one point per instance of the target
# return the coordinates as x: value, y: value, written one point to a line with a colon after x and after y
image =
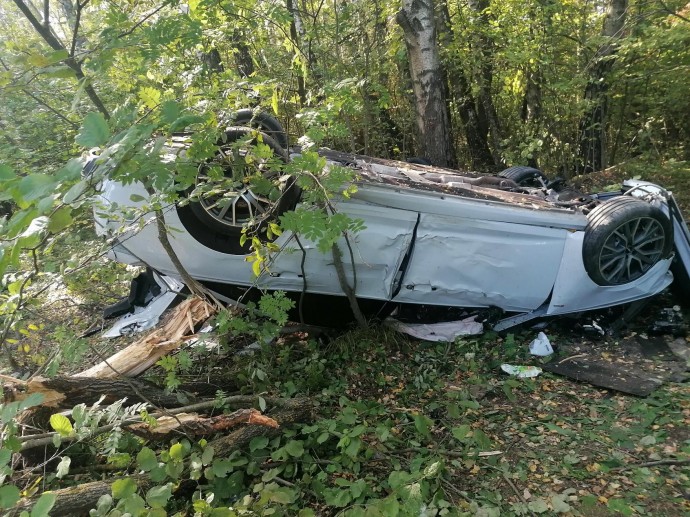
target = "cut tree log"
x: 292, y: 412
x: 178, y: 327
x: 70, y: 391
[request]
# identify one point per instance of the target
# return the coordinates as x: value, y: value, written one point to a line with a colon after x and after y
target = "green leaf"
x: 63, y: 467
x: 61, y: 424
x: 257, y: 443
x: 150, y: 96
x: 146, y: 459
x: 177, y: 451
x: 158, y: 496
x: 295, y: 448
x: 538, y: 506
x: 620, y: 506
x: 43, y: 505
x: 461, y: 432
x: 207, y: 455
x: 35, y: 186
x: 74, y: 192
x: 422, y: 423
x: 60, y: 219
x: 94, y: 131
x: 481, y: 439
x: 123, y: 488
x: 170, y: 112
x: 6, y: 173
x: 9, y: 495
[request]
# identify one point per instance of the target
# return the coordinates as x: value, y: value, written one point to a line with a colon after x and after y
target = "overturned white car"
x: 431, y: 236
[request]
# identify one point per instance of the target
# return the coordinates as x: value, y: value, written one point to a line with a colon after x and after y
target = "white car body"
x: 422, y: 245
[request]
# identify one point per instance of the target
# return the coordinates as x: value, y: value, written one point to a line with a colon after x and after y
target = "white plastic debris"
x: 446, y: 331
x: 541, y: 346
x: 144, y: 318
x: 522, y: 372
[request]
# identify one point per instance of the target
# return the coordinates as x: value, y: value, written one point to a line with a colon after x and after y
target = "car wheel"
x: 223, y: 203
x: 625, y: 238
x: 524, y: 176
x: 262, y: 121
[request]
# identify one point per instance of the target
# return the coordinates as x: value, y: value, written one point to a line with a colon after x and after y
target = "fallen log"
x: 177, y: 328
x: 193, y: 424
x: 233, y: 402
x: 75, y: 500
x: 70, y: 391
x: 292, y: 411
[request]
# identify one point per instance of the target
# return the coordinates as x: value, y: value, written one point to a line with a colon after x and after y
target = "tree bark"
x: 292, y: 412
x: 594, y: 123
x: 488, y: 117
x: 434, y: 127
x: 477, y: 144
x: 70, y: 391
x: 75, y: 500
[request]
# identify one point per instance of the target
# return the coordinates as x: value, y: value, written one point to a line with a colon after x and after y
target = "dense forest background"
x: 568, y: 85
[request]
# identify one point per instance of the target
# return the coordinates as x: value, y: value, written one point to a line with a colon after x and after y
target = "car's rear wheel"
x: 264, y: 122
x: 625, y: 238
x: 241, y: 187
x: 524, y: 176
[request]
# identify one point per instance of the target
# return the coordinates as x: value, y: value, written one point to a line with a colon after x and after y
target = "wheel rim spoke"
x: 631, y: 250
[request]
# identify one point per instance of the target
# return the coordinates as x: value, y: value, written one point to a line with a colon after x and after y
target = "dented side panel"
x: 470, y: 262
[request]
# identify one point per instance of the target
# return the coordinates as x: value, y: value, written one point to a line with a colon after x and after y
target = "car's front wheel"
x: 625, y: 238
x: 242, y: 186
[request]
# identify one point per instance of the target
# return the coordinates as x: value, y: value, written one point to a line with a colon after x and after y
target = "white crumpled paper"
x: 541, y: 346
x: 522, y: 372
x: 445, y: 331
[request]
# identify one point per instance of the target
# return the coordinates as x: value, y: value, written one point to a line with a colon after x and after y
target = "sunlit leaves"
x: 94, y: 131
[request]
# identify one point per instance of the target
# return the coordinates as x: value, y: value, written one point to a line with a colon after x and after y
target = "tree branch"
x: 55, y: 44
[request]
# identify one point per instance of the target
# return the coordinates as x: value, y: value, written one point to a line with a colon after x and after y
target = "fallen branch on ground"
x: 234, y: 402
x: 177, y: 328
x: 70, y: 391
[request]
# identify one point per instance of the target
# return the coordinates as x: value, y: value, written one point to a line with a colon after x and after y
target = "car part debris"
x: 670, y: 322
x: 541, y: 346
x: 146, y: 317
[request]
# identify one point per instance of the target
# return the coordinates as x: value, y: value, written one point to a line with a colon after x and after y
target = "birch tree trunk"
x: 433, y: 123
x: 594, y: 123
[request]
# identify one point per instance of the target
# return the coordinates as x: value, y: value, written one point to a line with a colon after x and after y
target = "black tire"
x: 264, y: 122
x: 208, y: 221
x: 524, y: 176
x: 625, y: 238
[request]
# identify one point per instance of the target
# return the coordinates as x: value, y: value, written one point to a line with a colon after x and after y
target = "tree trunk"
x: 477, y: 144
x: 297, y: 36
x: 243, y: 58
x: 594, y: 123
x: 434, y: 127
x: 488, y: 117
